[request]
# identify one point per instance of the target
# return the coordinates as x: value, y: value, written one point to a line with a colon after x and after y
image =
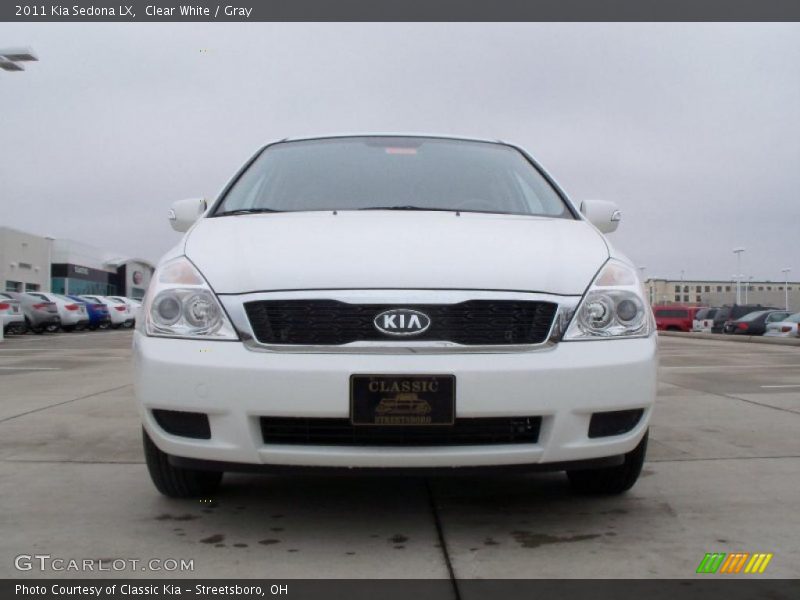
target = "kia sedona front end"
x: 395, y: 303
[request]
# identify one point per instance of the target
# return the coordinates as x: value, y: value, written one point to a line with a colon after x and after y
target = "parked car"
x: 12, y: 318
x: 338, y: 275
x: 675, y: 317
x: 704, y: 320
x: 120, y: 313
x: 134, y: 305
x: 96, y: 311
x: 40, y: 315
x: 73, y: 315
x: 755, y: 323
x: 731, y: 313
x: 789, y: 327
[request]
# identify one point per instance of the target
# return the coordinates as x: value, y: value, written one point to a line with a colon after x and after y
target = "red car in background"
x: 675, y: 317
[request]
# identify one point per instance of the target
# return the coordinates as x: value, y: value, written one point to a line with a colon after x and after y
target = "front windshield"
x: 400, y: 173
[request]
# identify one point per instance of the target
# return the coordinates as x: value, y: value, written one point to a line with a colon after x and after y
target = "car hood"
x: 395, y: 250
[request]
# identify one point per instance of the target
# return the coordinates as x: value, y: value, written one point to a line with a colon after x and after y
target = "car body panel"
x: 559, y: 256
x: 789, y: 327
x: 39, y: 314
x: 756, y: 324
x: 733, y: 312
x: 72, y: 314
x: 235, y: 386
x: 96, y: 311
x: 703, y: 321
x: 675, y: 317
x: 12, y: 318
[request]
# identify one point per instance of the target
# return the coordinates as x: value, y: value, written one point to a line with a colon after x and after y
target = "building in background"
x: 24, y: 261
x: 79, y: 268
x: 30, y: 263
x: 720, y: 293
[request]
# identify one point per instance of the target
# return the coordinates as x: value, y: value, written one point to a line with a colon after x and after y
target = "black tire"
x: 68, y: 328
x: 29, y: 327
x: 177, y: 482
x: 115, y: 326
x: 104, y: 325
x: 611, y: 480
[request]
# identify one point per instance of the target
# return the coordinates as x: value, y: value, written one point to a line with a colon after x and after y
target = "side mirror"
x: 183, y: 213
x: 602, y: 214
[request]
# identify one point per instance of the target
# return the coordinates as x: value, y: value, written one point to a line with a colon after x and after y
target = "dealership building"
x: 34, y: 263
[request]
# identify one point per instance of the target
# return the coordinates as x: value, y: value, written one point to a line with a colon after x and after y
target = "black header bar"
x: 399, y: 10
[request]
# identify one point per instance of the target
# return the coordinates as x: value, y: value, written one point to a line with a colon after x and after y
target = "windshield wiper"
x: 247, y: 211
x: 408, y: 207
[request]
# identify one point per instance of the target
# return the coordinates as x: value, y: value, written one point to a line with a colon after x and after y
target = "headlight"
x: 614, y: 307
x: 180, y: 304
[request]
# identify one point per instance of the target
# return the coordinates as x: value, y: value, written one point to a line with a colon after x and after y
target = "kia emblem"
x: 402, y: 322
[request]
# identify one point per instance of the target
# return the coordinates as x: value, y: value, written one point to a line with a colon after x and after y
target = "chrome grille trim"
x: 234, y: 306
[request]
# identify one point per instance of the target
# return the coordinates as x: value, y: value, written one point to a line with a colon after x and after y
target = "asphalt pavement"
x: 723, y: 475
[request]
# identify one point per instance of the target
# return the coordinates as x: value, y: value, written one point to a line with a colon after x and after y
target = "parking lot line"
x: 788, y: 385
x: 31, y: 368
x: 738, y: 367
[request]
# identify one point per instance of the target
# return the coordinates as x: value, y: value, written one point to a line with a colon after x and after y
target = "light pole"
x: 738, y: 253
x: 747, y: 288
x: 10, y: 57
x: 648, y: 288
x: 786, y: 285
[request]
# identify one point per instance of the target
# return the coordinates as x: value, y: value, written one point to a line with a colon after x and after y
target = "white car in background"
x: 12, y: 319
x: 135, y: 306
x: 704, y: 320
x: 789, y: 327
x: 121, y: 314
x: 394, y: 302
x: 73, y: 314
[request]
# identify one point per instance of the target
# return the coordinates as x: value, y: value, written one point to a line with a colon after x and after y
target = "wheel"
x: 177, y: 482
x: 92, y: 327
x: 104, y: 325
x: 68, y: 328
x: 611, y: 480
x: 115, y: 326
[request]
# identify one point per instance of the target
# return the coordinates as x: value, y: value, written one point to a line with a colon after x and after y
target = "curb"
x: 721, y: 337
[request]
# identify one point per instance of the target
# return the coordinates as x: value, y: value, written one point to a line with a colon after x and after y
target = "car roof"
x: 438, y: 136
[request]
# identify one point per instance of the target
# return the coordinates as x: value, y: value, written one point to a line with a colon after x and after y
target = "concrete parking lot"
x: 723, y: 475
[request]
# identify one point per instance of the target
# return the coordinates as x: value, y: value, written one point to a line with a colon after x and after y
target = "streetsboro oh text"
x: 167, y: 589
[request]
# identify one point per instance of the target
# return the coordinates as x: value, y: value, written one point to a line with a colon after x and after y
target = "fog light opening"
x: 615, y: 422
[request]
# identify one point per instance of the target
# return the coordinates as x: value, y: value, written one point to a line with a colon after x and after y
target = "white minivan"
x: 394, y: 302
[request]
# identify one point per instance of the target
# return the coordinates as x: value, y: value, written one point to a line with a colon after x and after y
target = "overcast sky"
x: 694, y: 129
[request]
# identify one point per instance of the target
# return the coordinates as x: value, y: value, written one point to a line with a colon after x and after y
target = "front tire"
x: 177, y: 482
x: 611, y: 480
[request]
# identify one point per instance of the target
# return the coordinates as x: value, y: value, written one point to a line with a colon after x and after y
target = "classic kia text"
x: 394, y: 302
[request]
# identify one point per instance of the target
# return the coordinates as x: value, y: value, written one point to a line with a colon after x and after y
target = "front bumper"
x: 564, y: 384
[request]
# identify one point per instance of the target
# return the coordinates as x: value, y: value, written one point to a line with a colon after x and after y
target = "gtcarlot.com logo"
x: 46, y: 562
x: 734, y: 563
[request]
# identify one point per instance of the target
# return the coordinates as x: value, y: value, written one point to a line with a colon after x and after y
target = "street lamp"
x: 738, y: 253
x: 786, y: 285
x: 747, y: 288
x: 11, y: 57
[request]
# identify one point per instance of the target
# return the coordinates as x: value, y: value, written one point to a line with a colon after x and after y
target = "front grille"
x: 330, y: 322
x: 340, y: 432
